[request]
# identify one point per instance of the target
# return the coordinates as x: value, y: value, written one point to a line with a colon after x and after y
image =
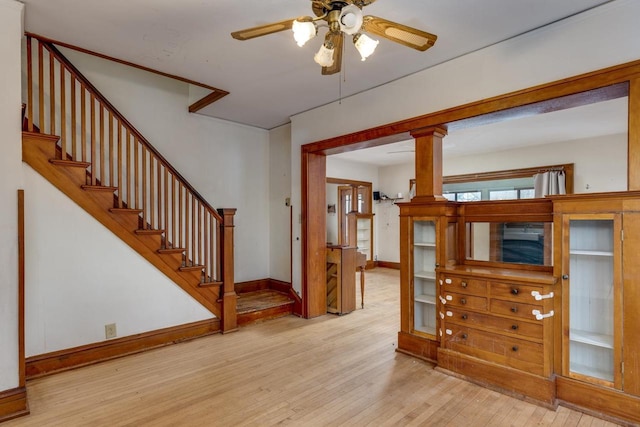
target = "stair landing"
x: 262, y: 305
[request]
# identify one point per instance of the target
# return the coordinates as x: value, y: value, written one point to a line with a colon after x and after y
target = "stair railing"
x: 64, y: 103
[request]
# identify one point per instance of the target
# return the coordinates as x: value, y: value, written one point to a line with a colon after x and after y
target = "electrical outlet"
x: 110, y: 330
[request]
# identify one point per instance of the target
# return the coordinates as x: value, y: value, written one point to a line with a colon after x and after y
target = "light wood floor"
x: 325, y: 371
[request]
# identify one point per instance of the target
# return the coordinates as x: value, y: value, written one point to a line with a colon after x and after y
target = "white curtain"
x: 548, y: 183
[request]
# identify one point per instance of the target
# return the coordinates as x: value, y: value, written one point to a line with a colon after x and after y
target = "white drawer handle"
x: 449, y: 332
x: 540, y: 316
x: 449, y: 297
x: 536, y: 295
x: 440, y: 282
x: 441, y: 315
x: 449, y: 314
x: 440, y: 332
x: 447, y: 281
x: 442, y: 300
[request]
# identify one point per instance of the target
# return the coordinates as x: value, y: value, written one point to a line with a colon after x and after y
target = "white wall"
x: 579, y: 44
x: 280, y: 214
x: 227, y: 163
x: 393, y: 179
x: 600, y: 163
x: 70, y: 296
x: 11, y: 16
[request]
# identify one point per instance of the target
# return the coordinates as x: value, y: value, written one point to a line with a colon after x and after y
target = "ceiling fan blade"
x: 263, y: 30
x: 407, y: 36
x: 337, y: 40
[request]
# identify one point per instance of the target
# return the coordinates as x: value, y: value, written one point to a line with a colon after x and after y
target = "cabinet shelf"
x: 591, y: 253
x: 427, y: 299
x: 425, y: 275
x: 425, y: 244
x: 591, y: 338
x: 591, y: 371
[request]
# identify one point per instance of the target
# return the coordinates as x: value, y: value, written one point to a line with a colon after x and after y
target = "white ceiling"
x: 588, y: 121
x: 270, y: 78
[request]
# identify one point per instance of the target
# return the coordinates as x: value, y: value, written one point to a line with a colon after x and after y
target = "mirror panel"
x: 510, y: 242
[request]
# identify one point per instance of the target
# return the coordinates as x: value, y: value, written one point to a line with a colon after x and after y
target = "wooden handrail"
x: 122, y: 160
x: 98, y: 95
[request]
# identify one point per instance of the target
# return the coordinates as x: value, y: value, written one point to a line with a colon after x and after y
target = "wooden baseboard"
x: 388, y: 264
x: 45, y: 364
x: 13, y: 404
x: 417, y: 347
x: 252, y: 286
x: 599, y: 401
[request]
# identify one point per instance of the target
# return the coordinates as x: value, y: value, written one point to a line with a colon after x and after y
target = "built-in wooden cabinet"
x: 562, y: 326
x: 599, y: 330
x: 429, y: 240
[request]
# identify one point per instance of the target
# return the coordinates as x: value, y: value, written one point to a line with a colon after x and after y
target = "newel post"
x: 229, y: 298
x: 429, y: 163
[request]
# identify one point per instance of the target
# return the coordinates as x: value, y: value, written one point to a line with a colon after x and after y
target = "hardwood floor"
x: 331, y: 370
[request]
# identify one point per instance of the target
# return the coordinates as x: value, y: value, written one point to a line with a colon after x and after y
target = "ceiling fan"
x: 342, y: 17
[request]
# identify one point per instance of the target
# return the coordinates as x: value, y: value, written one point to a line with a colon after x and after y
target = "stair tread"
x: 70, y: 163
x: 209, y: 284
x: 126, y: 210
x: 170, y: 250
x: 191, y: 267
x: 148, y: 231
x: 98, y: 188
x: 261, y: 300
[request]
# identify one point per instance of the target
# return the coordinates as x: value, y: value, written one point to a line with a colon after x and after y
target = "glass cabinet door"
x: 593, y: 284
x: 424, y: 276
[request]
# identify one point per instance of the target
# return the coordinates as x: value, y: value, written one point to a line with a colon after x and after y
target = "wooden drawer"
x: 517, y: 353
x: 497, y: 324
x: 516, y: 292
x: 468, y: 301
x: 515, y: 309
x: 465, y: 285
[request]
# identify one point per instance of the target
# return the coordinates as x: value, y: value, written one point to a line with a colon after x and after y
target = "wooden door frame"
x: 605, y: 84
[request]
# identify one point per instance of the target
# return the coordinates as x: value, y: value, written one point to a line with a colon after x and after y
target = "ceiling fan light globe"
x: 365, y: 45
x: 350, y: 19
x: 324, y: 56
x: 303, y: 31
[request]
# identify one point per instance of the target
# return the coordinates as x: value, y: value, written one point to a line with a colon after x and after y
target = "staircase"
x: 78, y: 141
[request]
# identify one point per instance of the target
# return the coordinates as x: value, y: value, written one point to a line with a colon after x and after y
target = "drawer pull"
x: 515, y: 291
x: 514, y: 309
x: 448, y: 297
x: 441, y: 282
x: 442, y: 300
x: 536, y: 295
x: 463, y: 300
x: 540, y: 316
x: 449, y: 314
x: 464, y: 317
x: 448, y: 331
x: 463, y: 336
x: 514, y: 327
x: 514, y: 348
x: 463, y: 284
x: 441, y: 315
x: 447, y: 281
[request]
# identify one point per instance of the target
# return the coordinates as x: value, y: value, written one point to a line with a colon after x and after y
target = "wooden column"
x: 314, y: 234
x: 229, y: 321
x: 633, y: 154
x: 429, y: 163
